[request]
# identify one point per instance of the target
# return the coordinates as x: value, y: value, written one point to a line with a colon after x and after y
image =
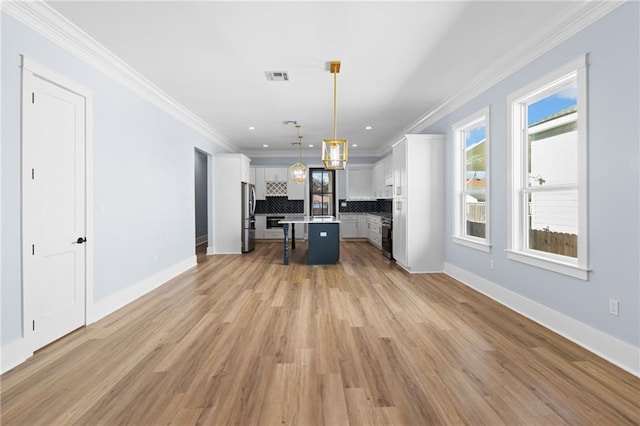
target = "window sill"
x: 549, y: 264
x: 472, y: 244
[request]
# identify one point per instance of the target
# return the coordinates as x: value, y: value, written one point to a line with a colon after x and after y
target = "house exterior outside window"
x: 548, y: 172
x: 322, y: 192
x: 471, y: 161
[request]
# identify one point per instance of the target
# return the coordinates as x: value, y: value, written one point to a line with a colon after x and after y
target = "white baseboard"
x: 13, y: 354
x: 17, y: 351
x: 112, y: 303
x: 211, y: 251
x: 622, y: 354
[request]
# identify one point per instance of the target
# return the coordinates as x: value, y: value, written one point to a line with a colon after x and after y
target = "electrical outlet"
x: 614, y: 307
x: 492, y: 264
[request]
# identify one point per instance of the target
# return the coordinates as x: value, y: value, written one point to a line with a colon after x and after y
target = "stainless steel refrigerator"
x: 248, y: 217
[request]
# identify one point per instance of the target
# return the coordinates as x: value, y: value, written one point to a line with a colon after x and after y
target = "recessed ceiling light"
x: 354, y: 145
x: 310, y: 145
x: 368, y: 128
x: 251, y: 128
x: 265, y: 146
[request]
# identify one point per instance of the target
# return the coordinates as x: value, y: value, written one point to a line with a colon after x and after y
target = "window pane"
x: 316, y: 182
x: 475, y: 165
x: 321, y: 193
x: 553, y: 139
x: 475, y: 215
x: 553, y: 222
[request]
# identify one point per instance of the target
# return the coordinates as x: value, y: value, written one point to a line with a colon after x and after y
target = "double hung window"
x: 472, y: 181
x: 548, y: 172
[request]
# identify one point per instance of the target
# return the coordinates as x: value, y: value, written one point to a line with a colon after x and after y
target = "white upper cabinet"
x: 295, y: 191
x: 261, y: 188
x: 275, y: 174
x: 359, y: 185
x: 382, y: 178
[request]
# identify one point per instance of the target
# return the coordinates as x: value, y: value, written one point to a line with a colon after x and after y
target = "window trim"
x: 458, y: 129
x: 516, y: 249
x: 334, y: 186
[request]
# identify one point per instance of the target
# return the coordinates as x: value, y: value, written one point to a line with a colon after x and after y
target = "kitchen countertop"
x: 309, y: 219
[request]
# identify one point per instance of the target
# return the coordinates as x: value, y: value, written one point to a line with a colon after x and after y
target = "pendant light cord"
x: 335, y: 106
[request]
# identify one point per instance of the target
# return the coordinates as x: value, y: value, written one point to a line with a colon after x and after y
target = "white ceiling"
x: 399, y: 60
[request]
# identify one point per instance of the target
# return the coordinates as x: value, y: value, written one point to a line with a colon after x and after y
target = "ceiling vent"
x: 277, y: 75
x: 289, y: 122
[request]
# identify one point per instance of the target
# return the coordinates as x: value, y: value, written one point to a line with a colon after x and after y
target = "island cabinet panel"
x: 323, y: 243
x: 418, y: 203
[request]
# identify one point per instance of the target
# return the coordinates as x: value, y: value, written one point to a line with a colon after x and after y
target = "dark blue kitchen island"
x: 323, y: 242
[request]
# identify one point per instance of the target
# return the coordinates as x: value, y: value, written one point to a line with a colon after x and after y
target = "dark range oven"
x: 272, y: 222
x: 387, y: 242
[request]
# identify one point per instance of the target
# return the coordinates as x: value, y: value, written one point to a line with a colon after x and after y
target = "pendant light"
x: 334, y: 151
x: 298, y: 171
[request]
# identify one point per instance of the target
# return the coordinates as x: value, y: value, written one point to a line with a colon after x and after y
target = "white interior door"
x: 54, y: 136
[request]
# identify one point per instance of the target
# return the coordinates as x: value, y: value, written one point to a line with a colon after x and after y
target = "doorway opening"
x: 201, y: 163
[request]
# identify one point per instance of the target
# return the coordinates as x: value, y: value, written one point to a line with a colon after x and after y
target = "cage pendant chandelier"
x: 298, y: 170
x: 334, y: 151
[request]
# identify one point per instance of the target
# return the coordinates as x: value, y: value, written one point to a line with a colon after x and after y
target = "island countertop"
x: 309, y: 219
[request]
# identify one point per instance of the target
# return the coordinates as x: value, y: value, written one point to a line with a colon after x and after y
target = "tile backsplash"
x: 284, y: 205
x: 279, y: 205
x: 380, y: 206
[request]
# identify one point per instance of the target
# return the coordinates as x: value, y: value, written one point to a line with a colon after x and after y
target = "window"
x: 472, y: 181
x: 548, y: 172
x: 322, y: 192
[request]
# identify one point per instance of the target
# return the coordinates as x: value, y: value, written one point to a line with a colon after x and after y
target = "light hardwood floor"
x: 245, y: 340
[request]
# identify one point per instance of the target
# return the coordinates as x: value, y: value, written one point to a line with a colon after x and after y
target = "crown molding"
x: 47, y: 22
x: 578, y: 17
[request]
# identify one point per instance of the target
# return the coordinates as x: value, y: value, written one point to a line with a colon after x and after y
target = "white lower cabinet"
x: 374, y: 225
x: 262, y: 233
x: 274, y: 234
x: 348, y: 226
x: 363, y: 231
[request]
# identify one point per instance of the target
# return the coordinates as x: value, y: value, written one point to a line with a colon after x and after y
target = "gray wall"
x: 201, y: 195
x: 143, y: 177
x: 613, y: 45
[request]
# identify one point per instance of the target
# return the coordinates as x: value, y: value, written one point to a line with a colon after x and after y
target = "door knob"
x: 81, y: 240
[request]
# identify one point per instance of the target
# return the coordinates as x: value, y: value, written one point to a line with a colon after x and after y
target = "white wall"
x: 143, y: 183
x: 613, y: 45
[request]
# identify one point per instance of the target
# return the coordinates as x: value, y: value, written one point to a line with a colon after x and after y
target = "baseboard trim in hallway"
x: 110, y: 304
x: 605, y: 346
